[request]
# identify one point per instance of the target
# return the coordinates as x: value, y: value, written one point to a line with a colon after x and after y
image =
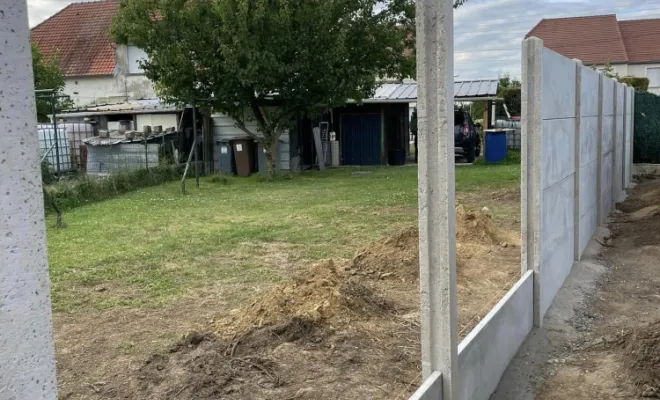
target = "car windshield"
x: 459, y: 118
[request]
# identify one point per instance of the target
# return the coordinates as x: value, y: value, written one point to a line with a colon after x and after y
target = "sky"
x: 487, y: 33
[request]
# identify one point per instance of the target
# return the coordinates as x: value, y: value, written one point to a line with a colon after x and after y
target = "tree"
x: 47, y: 75
x: 609, y: 72
x: 509, y: 89
x: 269, y: 60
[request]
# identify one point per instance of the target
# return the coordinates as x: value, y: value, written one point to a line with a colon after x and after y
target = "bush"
x: 75, y: 193
x: 47, y: 173
x: 640, y: 84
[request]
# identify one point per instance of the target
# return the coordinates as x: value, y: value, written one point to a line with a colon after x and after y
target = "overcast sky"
x: 487, y: 32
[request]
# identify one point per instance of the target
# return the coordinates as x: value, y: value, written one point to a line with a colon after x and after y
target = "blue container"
x: 495, y: 145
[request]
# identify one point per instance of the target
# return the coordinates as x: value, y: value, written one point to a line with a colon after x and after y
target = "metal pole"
x: 57, y: 145
x: 146, y: 154
x: 436, y: 186
x: 195, y: 142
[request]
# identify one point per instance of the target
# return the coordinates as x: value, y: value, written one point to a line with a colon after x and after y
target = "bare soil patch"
x: 341, y: 328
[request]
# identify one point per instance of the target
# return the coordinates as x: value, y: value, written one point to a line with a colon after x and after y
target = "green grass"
x: 151, y: 246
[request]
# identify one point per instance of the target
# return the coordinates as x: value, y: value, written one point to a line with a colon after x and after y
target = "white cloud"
x: 488, y: 33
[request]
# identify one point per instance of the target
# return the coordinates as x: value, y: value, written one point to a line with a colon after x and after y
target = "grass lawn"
x: 155, y: 245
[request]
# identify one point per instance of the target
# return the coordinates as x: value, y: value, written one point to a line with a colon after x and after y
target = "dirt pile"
x: 395, y: 256
x: 477, y: 227
x: 322, y: 292
x: 642, y: 358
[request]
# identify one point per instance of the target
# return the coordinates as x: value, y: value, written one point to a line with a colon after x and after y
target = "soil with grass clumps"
x: 339, y: 329
x: 642, y: 358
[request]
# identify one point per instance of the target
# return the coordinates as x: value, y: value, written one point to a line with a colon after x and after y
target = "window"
x: 134, y: 57
x: 654, y: 76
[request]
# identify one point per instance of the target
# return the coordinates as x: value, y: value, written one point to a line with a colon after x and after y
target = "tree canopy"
x: 47, y: 75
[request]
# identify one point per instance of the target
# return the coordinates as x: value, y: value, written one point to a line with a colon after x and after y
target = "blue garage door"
x: 361, y: 139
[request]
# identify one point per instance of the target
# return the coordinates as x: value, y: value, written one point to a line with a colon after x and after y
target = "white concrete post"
x: 632, y: 134
x: 599, y: 166
x: 27, y: 367
x: 615, y: 190
x: 530, y: 170
x: 437, y: 215
x: 624, y: 166
x: 578, y: 161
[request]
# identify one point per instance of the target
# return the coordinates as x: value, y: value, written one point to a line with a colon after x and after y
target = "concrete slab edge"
x: 485, y: 354
x: 431, y: 389
x: 646, y: 169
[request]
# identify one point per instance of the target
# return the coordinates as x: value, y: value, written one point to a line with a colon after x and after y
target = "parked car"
x: 467, y: 140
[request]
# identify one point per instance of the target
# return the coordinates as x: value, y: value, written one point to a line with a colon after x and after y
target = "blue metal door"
x: 361, y: 139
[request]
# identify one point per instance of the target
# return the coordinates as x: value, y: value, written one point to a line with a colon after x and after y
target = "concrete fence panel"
x: 588, y: 133
x: 574, y: 163
x: 485, y: 353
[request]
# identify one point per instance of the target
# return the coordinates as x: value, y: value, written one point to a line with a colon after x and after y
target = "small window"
x: 654, y: 76
x: 135, y: 55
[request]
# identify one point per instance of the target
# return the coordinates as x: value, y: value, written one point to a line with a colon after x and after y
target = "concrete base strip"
x: 431, y: 389
x: 485, y: 353
x: 646, y: 169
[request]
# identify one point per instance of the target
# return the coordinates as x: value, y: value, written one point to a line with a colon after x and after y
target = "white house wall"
x: 638, y: 70
x: 86, y: 90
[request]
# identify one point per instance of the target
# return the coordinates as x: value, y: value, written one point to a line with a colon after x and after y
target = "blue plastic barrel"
x: 495, y: 145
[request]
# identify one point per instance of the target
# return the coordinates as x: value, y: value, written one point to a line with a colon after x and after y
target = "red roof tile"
x: 79, y: 35
x: 599, y: 39
x: 594, y: 40
x: 642, y: 40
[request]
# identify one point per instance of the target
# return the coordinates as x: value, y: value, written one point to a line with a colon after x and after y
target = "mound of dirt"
x: 477, y: 227
x: 320, y: 293
x: 393, y: 256
x: 642, y: 358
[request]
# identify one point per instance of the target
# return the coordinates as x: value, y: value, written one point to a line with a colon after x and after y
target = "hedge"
x: 646, y: 147
x: 77, y: 192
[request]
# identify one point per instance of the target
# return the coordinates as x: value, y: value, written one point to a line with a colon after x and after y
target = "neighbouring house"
x: 632, y: 47
x: 96, y: 69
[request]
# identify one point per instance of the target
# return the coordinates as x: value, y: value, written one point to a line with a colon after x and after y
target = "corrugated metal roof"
x: 128, y: 107
x: 407, y: 92
x: 118, y: 138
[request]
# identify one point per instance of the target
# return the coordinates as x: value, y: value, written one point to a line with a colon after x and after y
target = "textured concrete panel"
x: 606, y: 174
x: 608, y: 134
x: 588, y: 225
x: 558, y: 96
x: 431, y: 389
x: 608, y: 96
x: 485, y: 353
x: 620, y: 98
x: 555, y: 268
x: 589, y: 92
x: 588, y: 140
x: 608, y: 205
x: 588, y: 187
x: 557, y: 157
x: 556, y: 215
x: 27, y: 366
x: 618, y: 172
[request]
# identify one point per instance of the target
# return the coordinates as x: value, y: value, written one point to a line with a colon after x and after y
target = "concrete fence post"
x: 624, y: 165
x: 578, y: 161
x: 27, y: 366
x: 599, y: 166
x: 530, y: 223
x: 437, y: 215
x: 632, y: 133
x: 615, y: 118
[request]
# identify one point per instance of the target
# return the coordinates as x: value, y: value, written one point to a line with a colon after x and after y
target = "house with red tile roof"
x: 632, y: 47
x: 96, y: 69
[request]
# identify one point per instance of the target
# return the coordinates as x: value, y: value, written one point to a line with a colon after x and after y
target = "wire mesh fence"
x: 62, y: 145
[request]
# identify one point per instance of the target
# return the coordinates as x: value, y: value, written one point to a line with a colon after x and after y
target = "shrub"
x: 78, y: 192
x: 639, y: 83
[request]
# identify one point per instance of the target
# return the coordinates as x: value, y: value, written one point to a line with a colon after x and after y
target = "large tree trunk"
x: 272, y: 156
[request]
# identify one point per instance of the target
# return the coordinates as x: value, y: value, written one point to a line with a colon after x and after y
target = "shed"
x: 118, y: 152
x: 225, y: 130
x: 376, y: 132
